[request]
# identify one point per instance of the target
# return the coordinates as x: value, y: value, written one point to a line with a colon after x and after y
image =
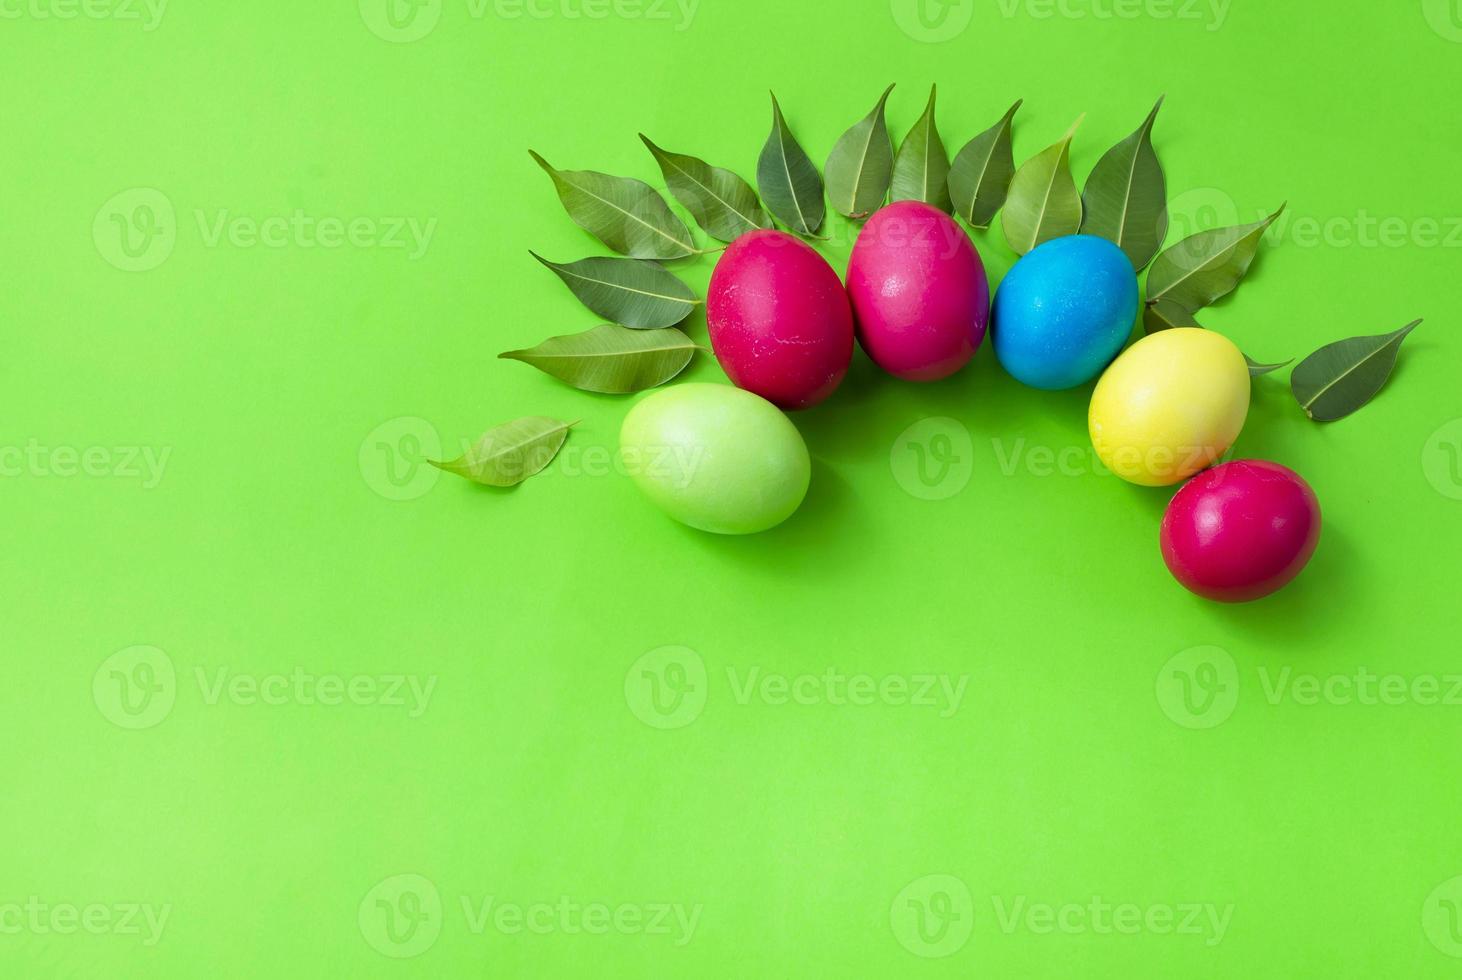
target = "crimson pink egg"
x: 1240, y: 531
x: 779, y: 319
x: 920, y: 297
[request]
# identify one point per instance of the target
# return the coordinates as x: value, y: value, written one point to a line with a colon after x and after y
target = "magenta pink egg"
x: 919, y: 292
x: 779, y: 319
x: 1240, y: 531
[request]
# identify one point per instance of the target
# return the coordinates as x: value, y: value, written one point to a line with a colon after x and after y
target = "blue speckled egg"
x: 1064, y: 311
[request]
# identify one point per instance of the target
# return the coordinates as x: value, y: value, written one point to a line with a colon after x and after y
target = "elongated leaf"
x: 1126, y: 196
x: 1207, y: 266
x: 611, y: 358
x: 1164, y: 315
x: 1257, y: 370
x: 1043, y: 202
x: 788, y: 179
x: 721, y: 202
x: 1341, y: 377
x: 510, y: 453
x: 625, y: 214
x: 980, y: 176
x: 861, y: 165
x: 633, y: 292
x: 921, y: 169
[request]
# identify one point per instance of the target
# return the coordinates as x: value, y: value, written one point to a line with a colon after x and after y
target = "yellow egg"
x: 1170, y: 406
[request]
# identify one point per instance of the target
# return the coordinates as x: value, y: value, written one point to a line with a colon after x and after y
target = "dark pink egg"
x: 919, y: 292
x: 1240, y: 531
x: 779, y: 319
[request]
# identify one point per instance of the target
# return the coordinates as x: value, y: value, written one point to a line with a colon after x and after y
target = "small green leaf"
x: 625, y: 214
x: 921, y: 169
x: 788, y: 179
x: 1043, y: 202
x: 721, y: 202
x: 1257, y: 370
x: 612, y: 359
x: 633, y: 292
x: 1164, y: 315
x: 979, y: 179
x: 1341, y: 377
x: 1207, y: 266
x: 510, y: 453
x: 861, y: 165
x: 1126, y: 196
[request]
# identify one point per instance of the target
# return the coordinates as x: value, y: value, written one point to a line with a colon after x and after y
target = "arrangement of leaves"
x: 1341, y: 377
x: 860, y: 167
x: 1043, y: 203
x: 631, y: 292
x: 721, y: 202
x: 921, y: 169
x: 508, y: 454
x: 626, y: 215
x: 789, y: 181
x: 612, y: 359
x: 1124, y: 200
x: 979, y: 178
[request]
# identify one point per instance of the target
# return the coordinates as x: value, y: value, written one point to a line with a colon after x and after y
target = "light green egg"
x: 716, y: 457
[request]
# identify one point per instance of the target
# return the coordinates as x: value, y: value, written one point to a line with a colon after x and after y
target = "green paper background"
x: 294, y: 387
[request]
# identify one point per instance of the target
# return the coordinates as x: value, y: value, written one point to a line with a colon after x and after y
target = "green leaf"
x: 625, y: 214
x: 1126, y: 196
x: 980, y: 176
x: 510, y: 453
x: 1341, y: 377
x: 1164, y: 315
x: 1043, y: 202
x: 861, y: 165
x: 721, y: 202
x: 788, y: 179
x: 1207, y: 266
x: 633, y: 292
x: 1257, y: 370
x: 611, y: 359
x: 921, y: 169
